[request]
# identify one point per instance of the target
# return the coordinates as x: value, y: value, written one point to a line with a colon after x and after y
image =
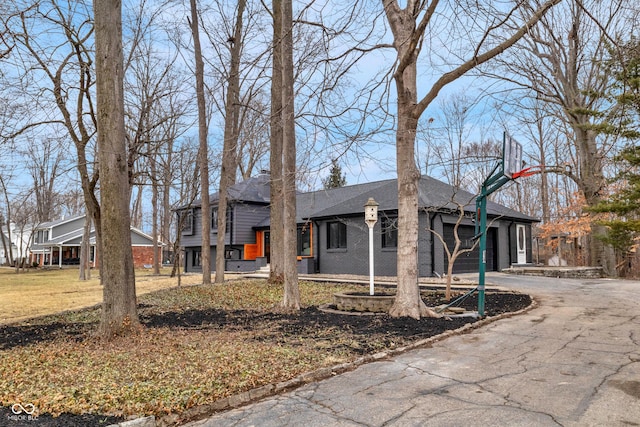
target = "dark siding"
x: 513, y: 242
x: 354, y: 259
x: 245, y: 217
x: 194, y: 239
x: 425, y: 246
x: 529, y: 244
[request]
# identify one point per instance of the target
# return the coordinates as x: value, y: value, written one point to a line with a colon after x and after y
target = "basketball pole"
x: 497, y: 178
x: 493, y: 183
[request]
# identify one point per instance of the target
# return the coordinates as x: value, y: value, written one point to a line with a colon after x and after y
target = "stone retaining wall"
x: 560, y: 272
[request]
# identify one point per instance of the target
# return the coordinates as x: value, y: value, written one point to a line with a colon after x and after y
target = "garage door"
x: 468, y: 262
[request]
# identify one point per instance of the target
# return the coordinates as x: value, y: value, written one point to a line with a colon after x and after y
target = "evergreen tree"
x: 623, y: 206
x: 336, y: 178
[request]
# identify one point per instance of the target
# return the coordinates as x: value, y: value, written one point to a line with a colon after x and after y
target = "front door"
x: 521, y: 233
x: 267, y: 246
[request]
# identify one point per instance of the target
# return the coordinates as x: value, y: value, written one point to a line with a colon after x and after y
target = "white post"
x: 371, y: 217
x: 371, y: 259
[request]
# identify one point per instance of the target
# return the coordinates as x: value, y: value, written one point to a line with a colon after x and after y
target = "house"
x: 16, y: 243
x: 11, y: 248
x: 333, y: 237
x: 58, y: 243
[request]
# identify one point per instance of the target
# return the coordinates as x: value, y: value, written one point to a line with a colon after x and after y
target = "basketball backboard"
x: 511, y: 156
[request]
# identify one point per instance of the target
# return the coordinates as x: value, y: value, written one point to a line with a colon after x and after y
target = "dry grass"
x: 40, y: 292
x: 165, y: 369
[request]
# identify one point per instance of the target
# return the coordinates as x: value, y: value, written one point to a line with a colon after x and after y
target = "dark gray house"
x: 333, y: 237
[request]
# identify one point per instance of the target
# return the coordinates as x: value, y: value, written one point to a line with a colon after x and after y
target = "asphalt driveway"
x: 572, y: 361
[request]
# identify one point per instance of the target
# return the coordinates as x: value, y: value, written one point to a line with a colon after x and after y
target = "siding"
x: 59, y: 230
x: 245, y: 217
x: 354, y: 259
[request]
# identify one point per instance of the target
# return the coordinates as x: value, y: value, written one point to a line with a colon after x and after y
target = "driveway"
x: 572, y: 361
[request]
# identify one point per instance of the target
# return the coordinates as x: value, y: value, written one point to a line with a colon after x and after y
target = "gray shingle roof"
x: 350, y: 200
x: 432, y: 194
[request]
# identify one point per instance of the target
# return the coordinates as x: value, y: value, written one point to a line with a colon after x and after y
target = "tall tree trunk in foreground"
x: 119, y: 313
x: 230, y: 144
x: 291, y: 290
x: 276, y: 273
x: 203, y: 152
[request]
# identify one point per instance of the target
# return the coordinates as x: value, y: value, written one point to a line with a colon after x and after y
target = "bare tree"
x: 25, y: 218
x: 119, y: 307
x: 5, y: 219
x: 291, y: 298
x: 276, y: 273
x: 561, y: 65
x: 54, y: 76
x: 203, y: 152
x: 409, y: 26
x: 230, y: 144
x: 45, y: 164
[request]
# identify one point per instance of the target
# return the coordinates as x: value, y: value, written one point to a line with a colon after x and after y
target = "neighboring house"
x: 20, y: 243
x: 333, y: 237
x: 4, y: 257
x: 58, y: 243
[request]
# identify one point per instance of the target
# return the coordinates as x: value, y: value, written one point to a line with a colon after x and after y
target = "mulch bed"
x: 367, y: 334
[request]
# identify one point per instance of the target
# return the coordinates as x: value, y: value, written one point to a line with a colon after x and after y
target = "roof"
x: 350, y: 199
x: 253, y: 190
x: 74, y: 237
x: 432, y: 194
x: 57, y: 222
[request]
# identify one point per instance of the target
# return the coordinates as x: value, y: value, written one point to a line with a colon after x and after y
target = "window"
x: 336, y: 235
x: 41, y: 236
x: 389, y: 232
x: 304, y: 240
x: 187, y: 222
x: 214, y: 218
x: 196, y: 258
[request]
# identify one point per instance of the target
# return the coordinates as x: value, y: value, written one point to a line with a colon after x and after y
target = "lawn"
x: 199, y: 344
x: 37, y: 292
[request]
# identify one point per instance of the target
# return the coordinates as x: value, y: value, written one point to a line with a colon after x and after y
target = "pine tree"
x: 336, y: 178
x: 623, y: 206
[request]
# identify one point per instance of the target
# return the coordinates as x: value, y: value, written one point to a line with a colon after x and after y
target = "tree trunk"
x: 85, y: 249
x: 119, y: 313
x: 291, y: 298
x: 408, y: 301
x: 230, y: 144
x: 154, y: 213
x: 276, y: 273
x: 408, y: 27
x: 592, y: 183
x: 203, y: 152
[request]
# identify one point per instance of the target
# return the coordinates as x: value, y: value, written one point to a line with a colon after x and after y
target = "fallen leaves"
x: 200, y: 344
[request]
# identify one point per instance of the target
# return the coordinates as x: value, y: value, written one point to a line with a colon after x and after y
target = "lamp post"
x: 371, y: 217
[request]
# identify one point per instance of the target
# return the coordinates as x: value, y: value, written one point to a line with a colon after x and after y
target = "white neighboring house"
x: 20, y: 240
